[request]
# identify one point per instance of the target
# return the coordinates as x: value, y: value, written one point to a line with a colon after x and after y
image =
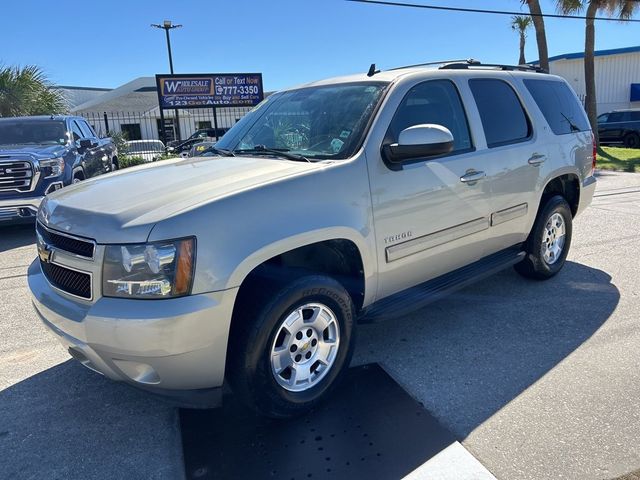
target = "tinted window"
x: 604, y: 118
x: 76, y: 131
x: 436, y: 102
x: 559, y: 105
x: 616, y: 117
x: 634, y: 116
x: 502, y: 115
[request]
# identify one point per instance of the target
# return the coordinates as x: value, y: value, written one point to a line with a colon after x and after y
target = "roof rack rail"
x: 432, y: 63
x: 474, y: 63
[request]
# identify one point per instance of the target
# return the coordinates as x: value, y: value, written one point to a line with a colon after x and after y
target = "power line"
x: 495, y: 12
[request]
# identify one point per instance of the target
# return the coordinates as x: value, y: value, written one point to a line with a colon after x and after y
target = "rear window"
x: 559, y: 105
x: 634, y: 116
x: 503, y: 118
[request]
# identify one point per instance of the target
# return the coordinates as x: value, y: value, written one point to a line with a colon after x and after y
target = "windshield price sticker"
x: 209, y: 90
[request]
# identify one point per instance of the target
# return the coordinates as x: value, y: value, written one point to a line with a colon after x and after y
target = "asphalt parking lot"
x: 538, y: 380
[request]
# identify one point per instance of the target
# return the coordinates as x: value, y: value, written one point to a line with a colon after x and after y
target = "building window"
x: 203, y: 125
x: 131, y: 131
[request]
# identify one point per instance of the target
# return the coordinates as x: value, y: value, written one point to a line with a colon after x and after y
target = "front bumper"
x: 16, y: 209
x: 165, y: 346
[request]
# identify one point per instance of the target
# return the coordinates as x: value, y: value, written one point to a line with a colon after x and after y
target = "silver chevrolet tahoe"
x: 346, y: 200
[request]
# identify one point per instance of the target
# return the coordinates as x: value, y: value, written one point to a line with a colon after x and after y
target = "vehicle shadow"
x: 15, y: 236
x: 464, y: 357
x: 467, y: 356
x: 69, y: 422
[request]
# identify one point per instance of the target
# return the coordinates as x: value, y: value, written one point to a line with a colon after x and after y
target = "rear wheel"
x: 632, y: 140
x: 548, y: 243
x: 290, y: 344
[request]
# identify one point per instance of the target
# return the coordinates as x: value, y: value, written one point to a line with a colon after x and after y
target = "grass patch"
x: 619, y: 159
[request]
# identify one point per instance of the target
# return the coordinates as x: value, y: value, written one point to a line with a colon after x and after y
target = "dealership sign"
x: 209, y: 90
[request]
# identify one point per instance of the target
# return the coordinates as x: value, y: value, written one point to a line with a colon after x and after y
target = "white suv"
x: 347, y: 199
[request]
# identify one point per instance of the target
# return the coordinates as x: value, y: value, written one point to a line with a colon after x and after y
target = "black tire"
x: 114, y: 164
x: 534, y: 265
x: 631, y: 140
x: 261, y: 308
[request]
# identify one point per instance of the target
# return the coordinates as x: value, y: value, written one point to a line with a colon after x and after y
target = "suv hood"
x: 123, y: 207
x: 39, y: 151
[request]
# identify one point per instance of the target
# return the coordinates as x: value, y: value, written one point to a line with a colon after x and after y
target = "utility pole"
x: 166, y: 26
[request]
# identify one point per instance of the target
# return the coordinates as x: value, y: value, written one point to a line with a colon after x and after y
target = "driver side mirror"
x: 418, y: 141
x: 85, y: 144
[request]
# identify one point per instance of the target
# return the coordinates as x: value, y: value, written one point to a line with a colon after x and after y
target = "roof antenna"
x: 372, y: 70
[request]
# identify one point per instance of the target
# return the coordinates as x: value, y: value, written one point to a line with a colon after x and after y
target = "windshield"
x: 21, y: 132
x: 317, y: 122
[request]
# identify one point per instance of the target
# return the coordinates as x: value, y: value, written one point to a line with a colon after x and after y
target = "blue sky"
x: 107, y: 43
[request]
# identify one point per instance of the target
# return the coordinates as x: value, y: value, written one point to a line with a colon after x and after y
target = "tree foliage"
x: 622, y: 9
x: 520, y: 24
x: 27, y: 91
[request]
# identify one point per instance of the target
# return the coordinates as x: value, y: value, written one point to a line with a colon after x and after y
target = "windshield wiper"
x: 572, y: 126
x: 281, y: 152
x: 220, y: 151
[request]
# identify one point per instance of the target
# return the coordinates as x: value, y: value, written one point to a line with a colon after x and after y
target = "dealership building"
x: 133, y: 109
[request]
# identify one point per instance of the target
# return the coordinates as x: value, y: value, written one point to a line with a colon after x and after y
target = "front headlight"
x: 52, y: 168
x: 149, y: 270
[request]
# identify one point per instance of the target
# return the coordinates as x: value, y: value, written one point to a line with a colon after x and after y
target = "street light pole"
x: 166, y: 26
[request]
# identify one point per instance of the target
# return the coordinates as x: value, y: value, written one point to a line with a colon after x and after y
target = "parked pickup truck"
x: 39, y: 155
x: 352, y: 199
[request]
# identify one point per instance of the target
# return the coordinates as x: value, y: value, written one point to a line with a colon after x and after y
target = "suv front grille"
x: 83, y: 248
x: 15, y: 175
x: 67, y: 280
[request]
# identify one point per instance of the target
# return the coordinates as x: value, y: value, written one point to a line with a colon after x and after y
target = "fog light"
x: 53, y: 187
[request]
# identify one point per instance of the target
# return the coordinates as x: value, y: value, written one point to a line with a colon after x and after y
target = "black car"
x: 620, y: 127
x: 39, y: 155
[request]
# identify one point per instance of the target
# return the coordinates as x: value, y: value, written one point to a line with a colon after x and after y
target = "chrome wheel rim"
x: 553, y: 239
x: 76, y: 180
x: 305, y: 347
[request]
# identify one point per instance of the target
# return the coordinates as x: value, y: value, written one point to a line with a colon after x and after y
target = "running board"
x: 408, y: 301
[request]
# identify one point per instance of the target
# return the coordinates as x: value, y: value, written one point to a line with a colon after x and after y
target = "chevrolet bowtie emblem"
x: 44, y: 252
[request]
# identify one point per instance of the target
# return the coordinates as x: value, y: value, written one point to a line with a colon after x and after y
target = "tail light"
x: 594, y: 160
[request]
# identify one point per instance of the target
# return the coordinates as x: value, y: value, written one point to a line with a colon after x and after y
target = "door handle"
x: 472, y: 176
x: 537, y: 159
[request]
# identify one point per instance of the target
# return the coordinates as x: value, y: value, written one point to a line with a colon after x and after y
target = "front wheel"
x: 291, y: 347
x: 548, y: 243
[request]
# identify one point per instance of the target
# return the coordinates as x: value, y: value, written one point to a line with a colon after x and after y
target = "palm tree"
x: 520, y: 24
x: 541, y: 36
x: 27, y: 91
x: 621, y: 9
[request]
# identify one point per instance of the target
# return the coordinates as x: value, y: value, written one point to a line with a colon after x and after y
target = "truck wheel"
x: 632, y: 140
x: 291, y: 344
x: 548, y: 243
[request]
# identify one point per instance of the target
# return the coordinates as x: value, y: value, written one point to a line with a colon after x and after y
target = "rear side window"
x: 502, y: 115
x: 436, y: 102
x: 616, y: 117
x: 634, y: 116
x: 559, y: 105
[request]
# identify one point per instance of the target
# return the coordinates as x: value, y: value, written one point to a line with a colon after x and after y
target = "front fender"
x: 237, y: 233
x: 307, y: 238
